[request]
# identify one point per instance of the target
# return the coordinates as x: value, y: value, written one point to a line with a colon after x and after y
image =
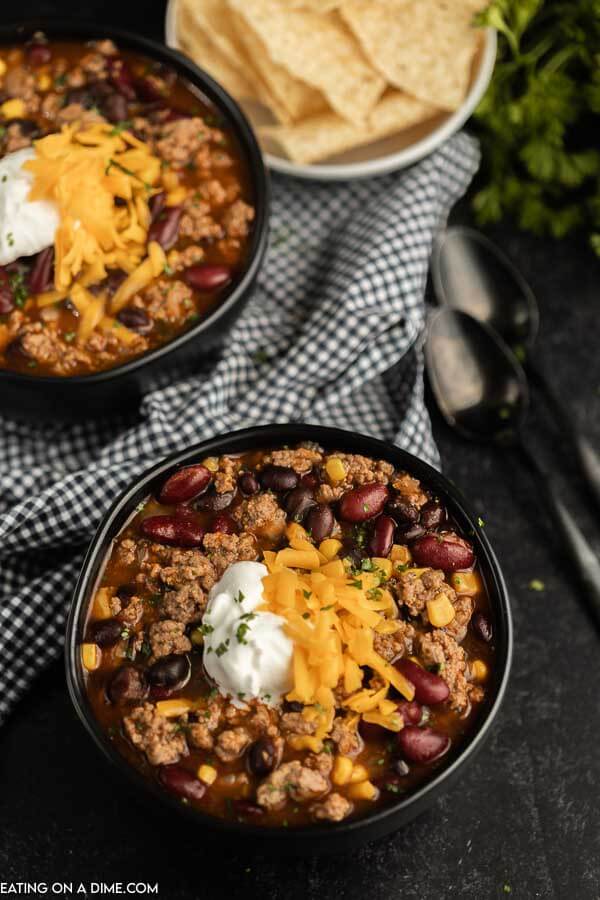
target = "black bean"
x: 248, y: 483
x: 293, y: 706
x: 125, y: 592
x: 135, y: 319
x: 319, y: 522
x: 214, y: 501
x: 170, y: 671
x: 403, y: 512
x: 400, y: 767
x: 433, y: 515
x: 409, y: 532
x: 115, y: 108
x: 298, y: 502
x: 278, y: 478
x: 128, y: 683
x: 482, y: 627
x: 261, y: 757
x: 105, y: 632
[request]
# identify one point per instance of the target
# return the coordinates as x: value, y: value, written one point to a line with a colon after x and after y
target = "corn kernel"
x: 334, y: 569
x: 13, y: 109
x: 295, y: 532
x: 44, y: 82
x: 101, y: 608
x: 207, y: 774
x: 335, y: 469
x: 2, y: 67
x: 170, y: 180
x: 176, y: 197
x: 197, y: 637
x: 330, y: 548
x: 479, y: 670
x: 90, y: 656
x: 363, y: 790
x: 305, y: 742
x: 440, y: 610
x: 359, y: 773
x: 466, y: 583
x: 342, y: 770
x: 384, y: 565
x: 211, y: 463
x: 400, y: 554
x: 172, y: 708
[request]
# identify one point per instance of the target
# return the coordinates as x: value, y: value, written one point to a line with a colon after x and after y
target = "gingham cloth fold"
x: 330, y: 336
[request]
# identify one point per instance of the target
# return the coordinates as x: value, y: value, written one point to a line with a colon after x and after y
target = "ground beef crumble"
x: 291, y: 779
x: 259, y: 513
x: 225, y: 549
x: 161, y: 739
x: 333, y: 809
x: 167, y: 637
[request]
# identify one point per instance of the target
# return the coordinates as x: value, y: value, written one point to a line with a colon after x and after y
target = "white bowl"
x: 389, y: 154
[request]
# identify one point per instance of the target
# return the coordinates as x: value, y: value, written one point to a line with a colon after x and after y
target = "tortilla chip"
x: 424, y: 47
x: 325, y: 135
x: 285, y: 92
x: 199, y: 47
x: 315, y: 5
x: 318, y: 50
x: 213, y: 18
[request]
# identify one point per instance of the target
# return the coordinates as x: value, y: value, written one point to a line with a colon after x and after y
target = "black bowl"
x: 104, y: 393
x: 317, y: 838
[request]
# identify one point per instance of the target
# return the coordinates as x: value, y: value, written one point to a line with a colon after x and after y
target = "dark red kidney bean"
x: 432, y: 515
x: 401, y: 511
x: 41, y: 277
x: 128, y: 683
x: 185, y: 484
x: 105, y: 632
x: 170, y: 671
x: 224, y: 524
x: 261, y: 757
x: 7, y: 300
x: 310, y: 480
x: 371, y: 732
x: 213, y: 501
x: 382, y: 537
x: 161, y: 693
x: 278, y: 478
x: 157, y: 204
x: 411, y: 712
x: 115, y: 108
x: 120, y: 77
x: 298, y: 502
x: 206, y: 278
x: 248, y: 484
x: 38, y: 54
x: 166, y: 227
x: 248, y: 810
x: 176, y: 531
x: 422, y: 745
x: 363, y: 503
x: 319, y: 522
x: 482, y: 627
x: 135, y: 319
x: 181, y: 782
x: 429, y: 688
x: 446, y: 551
x: 410, y: 532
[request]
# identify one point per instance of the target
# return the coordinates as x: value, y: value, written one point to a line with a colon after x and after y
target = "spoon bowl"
x: 477, y: 382
x: 470, y: 273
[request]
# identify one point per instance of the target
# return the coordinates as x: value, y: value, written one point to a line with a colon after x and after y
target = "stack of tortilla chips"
x: 335, y: 74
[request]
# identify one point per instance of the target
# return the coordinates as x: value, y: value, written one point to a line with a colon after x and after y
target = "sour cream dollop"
x: 246, y: 653
x: 26, y: 226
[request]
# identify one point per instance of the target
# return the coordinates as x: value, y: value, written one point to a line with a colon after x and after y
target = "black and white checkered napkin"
x: 329, y: 337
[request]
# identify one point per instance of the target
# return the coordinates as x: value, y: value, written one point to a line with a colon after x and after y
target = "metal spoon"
x: 470, y: 273
x: 481, y: 390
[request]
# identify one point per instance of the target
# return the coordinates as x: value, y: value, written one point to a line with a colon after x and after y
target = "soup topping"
x: 289, y: 636
x: 125, y: 212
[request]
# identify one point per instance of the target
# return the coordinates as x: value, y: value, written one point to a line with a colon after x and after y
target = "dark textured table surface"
x: 523, y: 822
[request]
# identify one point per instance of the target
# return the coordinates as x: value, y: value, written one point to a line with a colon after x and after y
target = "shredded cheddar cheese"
x: 332, y: 616
x: 100, y: 181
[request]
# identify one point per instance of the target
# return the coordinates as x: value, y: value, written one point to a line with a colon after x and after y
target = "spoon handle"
x: 574, y: 541
x: 587, y: 458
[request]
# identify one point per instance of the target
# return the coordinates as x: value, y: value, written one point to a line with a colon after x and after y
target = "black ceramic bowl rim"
x: 383, y: 820
x: 60, y: 29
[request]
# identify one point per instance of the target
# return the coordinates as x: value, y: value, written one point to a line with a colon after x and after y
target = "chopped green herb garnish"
x: 222, y: 648
x: 242, y: 630
x: 69, y: 336
x: 125, y: 125
x: 536, y: 585
x: 240, y: 597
